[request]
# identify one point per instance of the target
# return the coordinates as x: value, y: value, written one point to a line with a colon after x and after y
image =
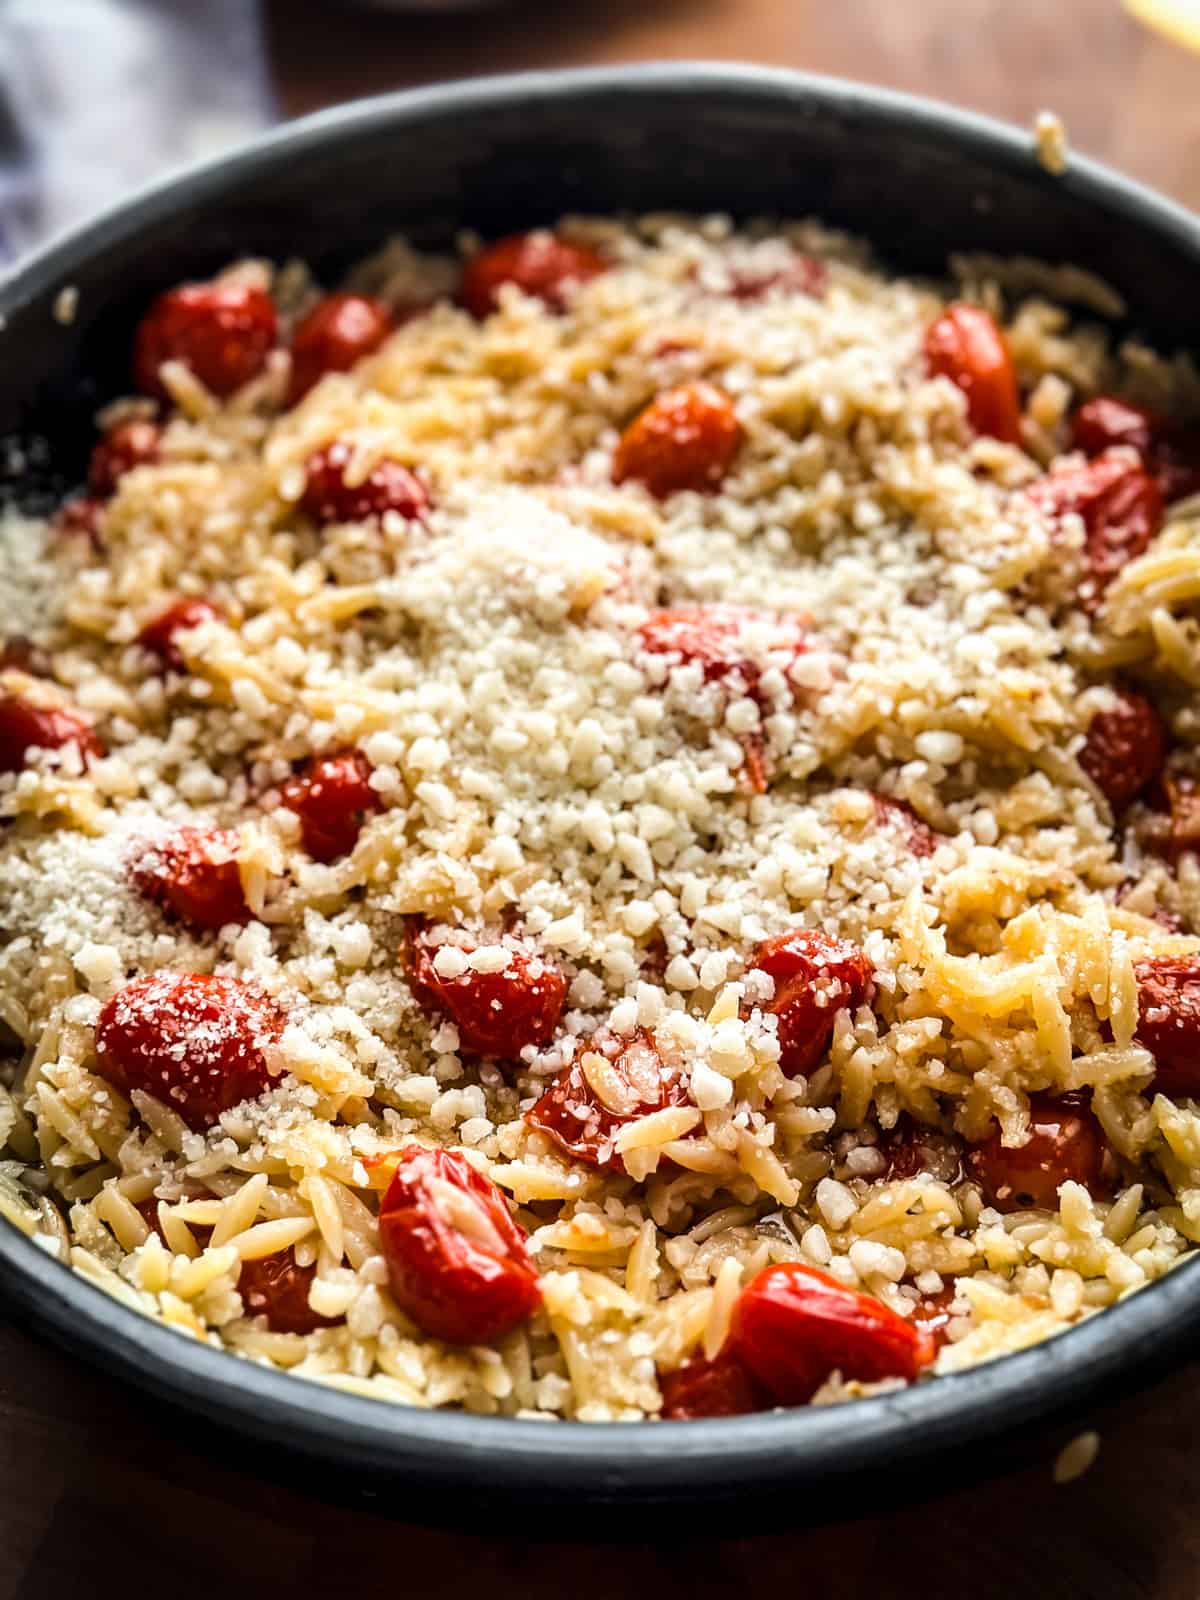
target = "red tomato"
x: 81, y: 517
x: 912, y: 1148
x: 540, y: 264
x: 130, y: 444
x: 158, y: 635
x: 19, y: 653
x: 719, y: 1388
x: 333, y: 798
x: 25, y: 727
x: 389, y: 486
x: 583, y: 1124
x: 802, y: 275
x: 713, y: 636
x: 1065, y: 1144
x: 338, y: 332
x: 686, y: 438
x: 197, y: 1043
x: 794, y: 1326
x: 1171, y: 454
x: 1125, y: 749
x: 222, y: 332
x: 458, y: 1263
x: 277, y: 1288
x: 496, y: 1013
x: 193, y: 874
x: 816, y: 976
x: 919, y: 837
x: 1121, y: 509
x: 967, y: 346
x: 932, y: 1313
x: 1169, y: 1022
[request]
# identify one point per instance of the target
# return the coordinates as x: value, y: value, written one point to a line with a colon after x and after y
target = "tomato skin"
x: 1169, y: 1022
x: 196, y: 1042
x: 712, y: 636
x: 722, y: 1387
x: 1171, y: 454
x: 277, y: 1287
x: 454, y: 1285
x: 158, y: 635
x: 336, y: 334
x: 573, y: 1115
x: 130, y: 444
x: 193, y: 874
x: 496, y: 1013
x: 1120, y: 506
x: 1065, y: 1144
x: 920, y: 838
x: 686, y: 438
x: 539, y: 263
x: 793, y: 1326
x: 1125, y: 749
x: 25, y: 727
x: 389, y: 486
x: 967, y: 346
x: 912, y: 1148
x: 816, y: 976
x: 333, y: 798
x: 222, y: 332
x: 81, y: 517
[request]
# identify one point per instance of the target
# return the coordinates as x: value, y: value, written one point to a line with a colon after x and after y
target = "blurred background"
x: 96, y: 96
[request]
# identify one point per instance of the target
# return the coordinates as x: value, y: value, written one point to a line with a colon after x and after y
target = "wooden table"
x: 92, y: 1481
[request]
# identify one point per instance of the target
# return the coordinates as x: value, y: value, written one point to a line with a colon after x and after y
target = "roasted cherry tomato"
x: 686, y: 438
x: 588, y: 1103
x: 25, y: 727
x: 333, y: 798
x: 158, y: 635
x: 458, y: 1263
x: 714, y: 636
x: 722, y: 1387
x: 1125, y: 748
x: 338, y: 332
x: 388, y: 486
x: 816, y: 976
x: 497, y: 1013
x: 911, y: 1148
x: 130, y: 444
x: 1120, y: 506
x: 20, y: 653
x: 197, y: 1043
x: 1170, y: 453
x: 932, y: 1313
x: 794, y: 1326
x: 1065, y: 1144
x: 276, y: 1287
x: 81, y: 517
x: 918, y: 836
x: 1169, y: 1022
x: 193, y: 874
x: 967, y: 346
x: 222, y: 332
x: 801, y: 275
x: 540, y: 264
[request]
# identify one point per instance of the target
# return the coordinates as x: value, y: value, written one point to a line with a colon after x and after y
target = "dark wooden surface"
x: 101, y: 1494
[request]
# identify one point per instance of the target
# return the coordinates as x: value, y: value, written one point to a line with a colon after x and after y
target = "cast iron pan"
x: 922, y: 181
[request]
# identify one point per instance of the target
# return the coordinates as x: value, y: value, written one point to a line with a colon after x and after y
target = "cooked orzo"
x: 607, y: 828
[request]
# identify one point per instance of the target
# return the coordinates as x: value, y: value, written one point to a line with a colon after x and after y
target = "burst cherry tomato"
x: 584, y: 1112
x: 1065, y: 1144
x: 540, y: 264
x: 130, y: 444
x: 967, y: 346
x: 197, y: 1043
x: 816, y: 976
x: 686, y: 438
x: 793, y: 1326
x: 25, y: 727
x: 158, y: 635
x: 1171, y: 454
x: 193, y: 873
x: 222, y: 332
x: 458, y: 1263
x: 277, y: 1287
x: 1169, y: 1021
x: 714, y: 637
x: 332, y: 798
x: 497, y: 1013
x: 338, y: 332
x: 388, y: 486
x: 719, y: 1388
x: 1120, y: 506
x: 920, y: 838
x: 801, y: 275
x: 1125, y: 749
x: 911, y: 1148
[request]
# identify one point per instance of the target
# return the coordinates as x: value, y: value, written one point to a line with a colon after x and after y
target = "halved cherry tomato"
x: 333, y: 798
x: 276, y: 1287
x: 158, y: 635
x: 816, y: 976
x: 336, y: 334
x: 1120, y: 506
x: 193, y: 873
x: 130, y: 444
x: 714, y: 636
x: 1169, y: 1021
x: 794, y: 1326
x: 222, y: 332
x: 722, y: 1387
x: 1125, y: 748
x: 967, y: 346
x: 389, y: 486
x: 1170, y: 453
x: 25, y: 727
x: 457, y: 1262
x: 920, y: 838
x: 196, y: 1042
x: 686, y: 438
x: 1065, y: 1144
x: 540, y: 264
x: 497, y: 1013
